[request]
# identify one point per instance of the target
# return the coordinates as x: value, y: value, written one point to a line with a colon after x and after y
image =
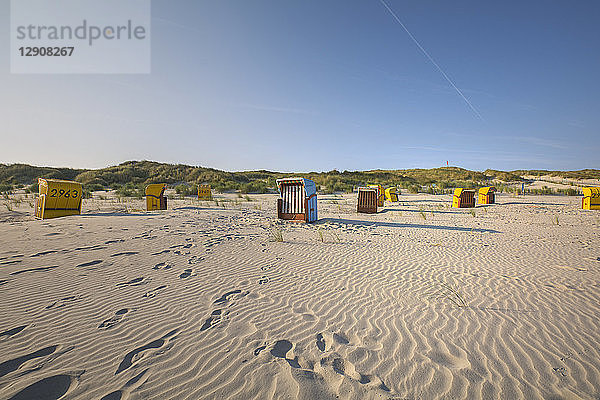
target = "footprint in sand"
x: 195, y: 260
x: 53, y: 387
x: 12, y: 332
x: 326, y: 339
x: 187, y: 273
x: 154, y: 292
x: 12, y: 365
x: 43, y: 253
x: 442, y: 356
x: 227, y: 296
x: 346, y: 368
x: 280, y: 350
x: 215, y: 318
x: 321, y: 345
x: 114, y: 241
x: 89, y: 264
x: 10, y: 262
x: 162, y: 265
x: 94, y: 247
x: 112, y: 321
x: 155, y: 344
x: 561, y: 370
x: 125, y: 253
x: 39, y: 269
x: 259, y: 349
x: 134, y: 282
x: 62, y: 302
x: 129, y: 387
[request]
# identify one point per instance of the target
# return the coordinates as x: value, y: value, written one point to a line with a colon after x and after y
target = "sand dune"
x: 419, y: 301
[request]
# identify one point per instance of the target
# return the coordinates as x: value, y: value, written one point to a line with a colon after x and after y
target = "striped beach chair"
x: 297, y: 199
x: 368, y: 199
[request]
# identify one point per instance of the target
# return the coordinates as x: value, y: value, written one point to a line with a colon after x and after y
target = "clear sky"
x: 315, y: 85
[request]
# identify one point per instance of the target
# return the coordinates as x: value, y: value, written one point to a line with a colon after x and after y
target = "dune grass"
x: 276, y: 234
x: 322, y: 235
x: 450, y: 292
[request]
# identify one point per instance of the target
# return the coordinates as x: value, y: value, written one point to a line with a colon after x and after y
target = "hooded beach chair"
x: 204, y: 192
x: 58, y: 198
x: 380, y: 194
x: 155, y: 198
x: 591, y: 198
x: 463, y: 198
x: 391, y: 194
x: 367, y: 200
x: 487, y: 195
x: 297, y: 199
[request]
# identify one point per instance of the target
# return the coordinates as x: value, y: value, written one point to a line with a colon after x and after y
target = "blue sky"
x: 318, y: 85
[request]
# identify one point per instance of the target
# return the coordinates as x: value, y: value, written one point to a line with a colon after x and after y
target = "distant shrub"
x: 413, y: 189
x: 93, y: 187
x: 5, y: 188
x: 131, y: 190
x: 254, y: 187
x: 569, y: 192
x: 186, y: 190
x: 543, y: 191
x: 35, y: 188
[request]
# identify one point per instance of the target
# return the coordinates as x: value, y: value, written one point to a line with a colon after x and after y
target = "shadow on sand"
x: 196, y: 208
x: 529, y: 203
x: 418, y: 211
x: 400, y: 225
x: 114, y: 214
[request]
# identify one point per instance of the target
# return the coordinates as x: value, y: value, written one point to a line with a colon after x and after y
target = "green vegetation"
x: 129, y: 178
x: 186, y: 190
x: 5, y: 187
x: 582, y: 174
x: 130, y: 190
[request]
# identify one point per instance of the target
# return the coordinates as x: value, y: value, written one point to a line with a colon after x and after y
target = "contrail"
x: 432, y: 61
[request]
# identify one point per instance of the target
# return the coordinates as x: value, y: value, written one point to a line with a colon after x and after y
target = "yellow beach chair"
x: 463, y: 198
x: 58, y: 198
x: 591, y: 198
x: 204, y: 192
x: 487, y: 195
x: 380, y: 194
x: 391, y: 194
x: 155, y: 199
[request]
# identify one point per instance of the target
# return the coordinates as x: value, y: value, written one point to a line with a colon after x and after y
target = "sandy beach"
x: 419, y: 301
